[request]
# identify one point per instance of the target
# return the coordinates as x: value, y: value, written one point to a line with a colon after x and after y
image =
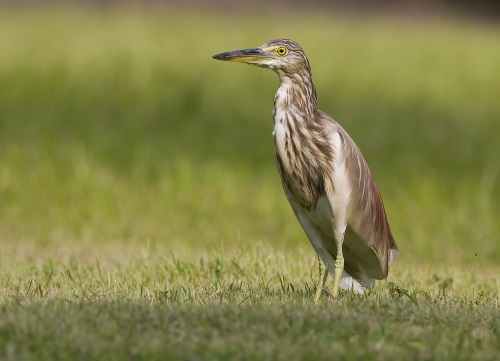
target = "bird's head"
x: 284, y: 56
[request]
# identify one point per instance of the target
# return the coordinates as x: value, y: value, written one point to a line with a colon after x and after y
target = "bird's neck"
x: 295, y: 137
x: 296, y: 94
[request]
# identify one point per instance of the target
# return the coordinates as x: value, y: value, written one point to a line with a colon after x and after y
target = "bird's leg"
x: 323, y: 275
x: 339, y: 263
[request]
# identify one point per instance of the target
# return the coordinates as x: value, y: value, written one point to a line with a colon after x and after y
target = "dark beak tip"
x: 230, y: 55
x: 219, y: 56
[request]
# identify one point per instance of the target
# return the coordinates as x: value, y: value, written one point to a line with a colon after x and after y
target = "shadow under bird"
x: 324, y: 175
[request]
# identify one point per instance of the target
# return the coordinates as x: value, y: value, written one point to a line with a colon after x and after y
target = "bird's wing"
x: 369, y: 246
x: 368, y: 243
x: 367, y: 225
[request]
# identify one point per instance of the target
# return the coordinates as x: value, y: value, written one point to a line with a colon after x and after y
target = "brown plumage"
x: 324, y: 175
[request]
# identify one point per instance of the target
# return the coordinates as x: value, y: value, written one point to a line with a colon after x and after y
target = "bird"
x: 325, y: 177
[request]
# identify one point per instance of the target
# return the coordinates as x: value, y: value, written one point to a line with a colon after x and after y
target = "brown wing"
x: 368, y: 240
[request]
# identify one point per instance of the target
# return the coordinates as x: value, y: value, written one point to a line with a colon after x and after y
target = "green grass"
x: 247, y: 305
x: 141, y: 214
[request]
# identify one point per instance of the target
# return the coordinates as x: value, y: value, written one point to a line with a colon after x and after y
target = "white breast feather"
x: 280, y: 131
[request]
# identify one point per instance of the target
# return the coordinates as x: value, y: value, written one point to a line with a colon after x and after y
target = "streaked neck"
x: 296, y: 94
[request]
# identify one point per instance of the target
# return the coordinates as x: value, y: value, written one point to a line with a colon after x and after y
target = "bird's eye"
x: 281, y: 51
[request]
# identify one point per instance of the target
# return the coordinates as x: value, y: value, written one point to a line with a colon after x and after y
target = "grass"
x: 141, y: 214
x: 248, y: 305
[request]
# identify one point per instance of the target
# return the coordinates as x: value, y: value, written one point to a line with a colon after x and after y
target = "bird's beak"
x: 249, y: 56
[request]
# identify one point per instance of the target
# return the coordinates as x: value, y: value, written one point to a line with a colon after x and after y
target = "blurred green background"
x: 119, y: 133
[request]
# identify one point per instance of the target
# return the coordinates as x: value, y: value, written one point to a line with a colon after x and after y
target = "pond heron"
x: 324, y: 175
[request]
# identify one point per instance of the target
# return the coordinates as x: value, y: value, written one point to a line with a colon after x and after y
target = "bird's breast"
x: 280, y: 145
x: 298, y: 167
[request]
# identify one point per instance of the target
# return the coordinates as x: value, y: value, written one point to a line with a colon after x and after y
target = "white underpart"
x: 279, y: 133
x: 280, y: 129
x: 350, y: 284
x: 339, y: 200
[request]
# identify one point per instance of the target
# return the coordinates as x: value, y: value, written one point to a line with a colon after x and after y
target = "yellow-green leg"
x: 339, y: 264
x: 323, y: 275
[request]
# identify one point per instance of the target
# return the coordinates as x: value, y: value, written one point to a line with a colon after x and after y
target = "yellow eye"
x: 281, y: 51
